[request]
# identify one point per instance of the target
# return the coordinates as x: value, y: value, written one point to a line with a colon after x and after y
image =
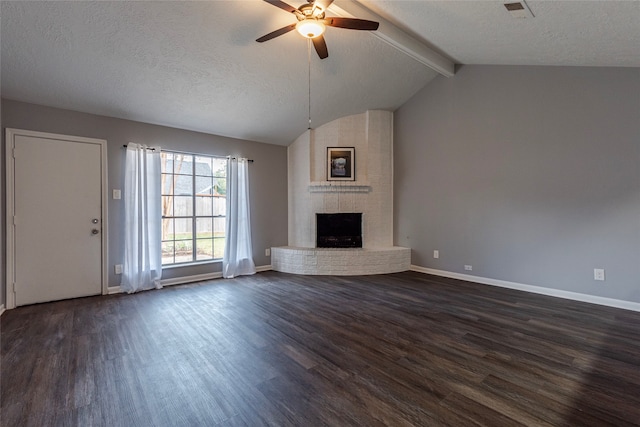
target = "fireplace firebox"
x: 339, y: 230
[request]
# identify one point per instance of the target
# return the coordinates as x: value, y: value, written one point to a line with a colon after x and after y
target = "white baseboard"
x: 2, y: 309
x: 575, y: 296
x: 262, y: 268
x: 113, y: 290
x: 189, y: 279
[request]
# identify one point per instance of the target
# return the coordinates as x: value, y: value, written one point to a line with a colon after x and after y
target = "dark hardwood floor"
x: 403, y: 349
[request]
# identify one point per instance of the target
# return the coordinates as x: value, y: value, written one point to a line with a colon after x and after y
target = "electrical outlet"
x: 468, y: 267
x: 598, y: 274
x: 267, y: 252
x: 117, y: 194
x: 118, y: 268
x: 436, y: 254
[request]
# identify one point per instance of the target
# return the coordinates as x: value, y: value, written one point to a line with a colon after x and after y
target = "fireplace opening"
x: 339, y: 230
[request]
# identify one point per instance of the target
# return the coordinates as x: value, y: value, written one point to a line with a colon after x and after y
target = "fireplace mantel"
x: 339, y: 187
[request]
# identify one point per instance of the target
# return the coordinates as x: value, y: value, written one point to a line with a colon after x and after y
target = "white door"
x: 57, y: 217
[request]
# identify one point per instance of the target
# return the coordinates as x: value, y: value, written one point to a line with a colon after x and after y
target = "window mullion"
x: 193, y: 209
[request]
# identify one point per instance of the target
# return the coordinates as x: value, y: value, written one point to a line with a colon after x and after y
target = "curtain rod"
x: 193, y: 154
x: 146, y: 148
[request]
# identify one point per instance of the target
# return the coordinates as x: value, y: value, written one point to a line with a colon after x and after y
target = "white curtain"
x: 238, y: 251
x: 142, y: 267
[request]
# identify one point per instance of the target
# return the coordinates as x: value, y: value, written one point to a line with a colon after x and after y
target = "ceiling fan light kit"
x: 311, y: 28
x: 312, y: 23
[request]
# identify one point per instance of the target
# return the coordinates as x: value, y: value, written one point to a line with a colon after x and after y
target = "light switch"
x: 117, y: 194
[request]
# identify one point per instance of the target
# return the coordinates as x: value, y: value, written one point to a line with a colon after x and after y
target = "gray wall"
x: 268, y: 174
x: 529, y: 174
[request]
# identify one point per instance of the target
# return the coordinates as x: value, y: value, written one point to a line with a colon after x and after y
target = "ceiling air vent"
x: 518, y: 10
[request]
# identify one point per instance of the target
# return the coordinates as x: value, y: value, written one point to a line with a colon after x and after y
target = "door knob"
x: 94, y: 220
x: 95, y: 231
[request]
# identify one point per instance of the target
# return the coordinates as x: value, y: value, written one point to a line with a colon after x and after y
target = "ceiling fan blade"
x: 352, y: 23
x: 276, y: 33
x: 282, y: 5
x: 322, y: 5
x: 321, y: 47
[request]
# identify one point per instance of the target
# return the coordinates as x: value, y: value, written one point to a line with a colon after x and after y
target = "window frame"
x: 194, y: 216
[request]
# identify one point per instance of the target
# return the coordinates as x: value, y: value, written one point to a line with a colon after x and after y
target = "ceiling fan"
x: 312, y: 23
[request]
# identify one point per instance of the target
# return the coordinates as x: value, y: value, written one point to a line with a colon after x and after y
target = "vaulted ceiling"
x: 196, y: 65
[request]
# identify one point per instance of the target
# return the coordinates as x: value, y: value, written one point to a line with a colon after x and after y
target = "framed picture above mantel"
x: 341, y: 164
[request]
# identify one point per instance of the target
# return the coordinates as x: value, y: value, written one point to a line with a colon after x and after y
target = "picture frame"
x: 341, y: 164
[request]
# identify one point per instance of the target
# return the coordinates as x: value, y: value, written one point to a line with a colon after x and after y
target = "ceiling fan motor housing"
x: 309, y: 11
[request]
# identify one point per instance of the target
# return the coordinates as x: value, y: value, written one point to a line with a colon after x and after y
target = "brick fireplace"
x: 370, y: 194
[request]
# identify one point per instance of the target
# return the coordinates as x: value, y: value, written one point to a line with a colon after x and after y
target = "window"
x: 193, y: 207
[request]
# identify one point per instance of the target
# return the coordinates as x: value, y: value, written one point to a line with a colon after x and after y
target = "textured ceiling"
x: 569, y: 32
x: 196, y: 65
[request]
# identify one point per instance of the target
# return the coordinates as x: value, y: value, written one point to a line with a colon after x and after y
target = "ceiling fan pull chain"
x: 309, y: 65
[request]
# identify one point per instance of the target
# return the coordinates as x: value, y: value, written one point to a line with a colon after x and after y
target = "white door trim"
x: 10, y: 300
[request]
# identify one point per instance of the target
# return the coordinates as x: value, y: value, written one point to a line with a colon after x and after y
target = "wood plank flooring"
x: 403, y: 349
